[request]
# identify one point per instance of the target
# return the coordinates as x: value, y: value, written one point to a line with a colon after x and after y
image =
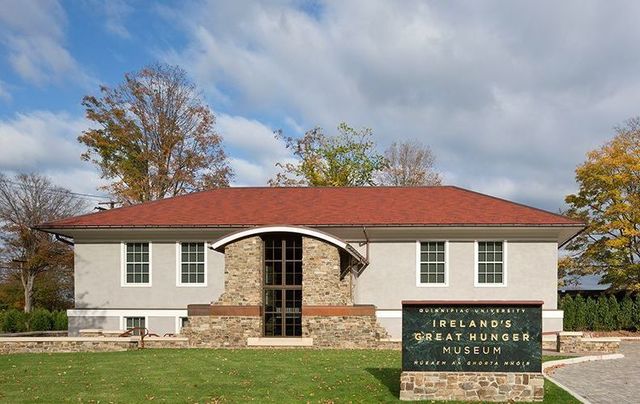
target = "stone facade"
x: 243, y: 273
x: 222, y: 331
x: 343, y: 331
x: 321, y: 283
x: 576, y: 342
x: 467, y: 386
x: 322, y: 289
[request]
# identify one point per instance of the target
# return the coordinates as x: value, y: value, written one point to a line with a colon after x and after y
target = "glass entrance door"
x: 283, y: 286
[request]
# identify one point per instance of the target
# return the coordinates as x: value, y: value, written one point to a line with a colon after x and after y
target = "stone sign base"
x: 468, y: 386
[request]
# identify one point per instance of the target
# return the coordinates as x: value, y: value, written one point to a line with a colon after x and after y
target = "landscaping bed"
x: 209, y: 376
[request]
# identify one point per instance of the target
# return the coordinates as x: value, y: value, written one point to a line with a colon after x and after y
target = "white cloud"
x: 5, y: 95
x: 510, y: 96
x: 253, y: 147
x: 33, y: 34
x: 45, y: 142
x: 116, y: 12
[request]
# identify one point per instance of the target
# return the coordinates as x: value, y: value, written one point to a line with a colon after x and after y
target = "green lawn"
x: 206, y: 376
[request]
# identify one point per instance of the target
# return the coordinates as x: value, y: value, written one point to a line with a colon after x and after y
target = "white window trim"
x: 123, y: 321
x: 476, y: 265
x: 446, y: 265
x: 123, y: 266
x: 179, y: 266
x: 178, y: 324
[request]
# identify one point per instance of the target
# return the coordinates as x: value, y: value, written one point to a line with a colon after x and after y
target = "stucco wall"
x: 98, y: 279
x: 391, y: 275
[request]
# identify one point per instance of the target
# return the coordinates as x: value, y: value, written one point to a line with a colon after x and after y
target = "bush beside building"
x: 12, y: 321
x: 605, y: 313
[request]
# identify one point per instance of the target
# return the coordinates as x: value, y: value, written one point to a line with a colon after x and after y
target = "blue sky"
x: 509, y: 95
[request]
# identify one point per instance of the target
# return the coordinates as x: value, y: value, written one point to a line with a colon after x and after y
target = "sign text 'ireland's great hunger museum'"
x: 476, y: 345
x: 472, y: 337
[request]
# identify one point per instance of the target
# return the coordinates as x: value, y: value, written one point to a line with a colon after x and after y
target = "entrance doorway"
x: 282, y: 295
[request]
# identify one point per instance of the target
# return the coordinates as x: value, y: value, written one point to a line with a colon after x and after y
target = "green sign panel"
x: 471, y: 337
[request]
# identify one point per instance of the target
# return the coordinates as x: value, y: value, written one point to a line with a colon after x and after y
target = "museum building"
x: 323, y: 267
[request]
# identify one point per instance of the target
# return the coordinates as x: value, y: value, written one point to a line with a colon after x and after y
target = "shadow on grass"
x: 389, y: 377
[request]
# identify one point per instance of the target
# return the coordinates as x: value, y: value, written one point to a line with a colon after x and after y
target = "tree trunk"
x: 27, y: 284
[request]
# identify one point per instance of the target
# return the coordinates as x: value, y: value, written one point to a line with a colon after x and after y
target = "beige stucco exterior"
x: 390, y: 277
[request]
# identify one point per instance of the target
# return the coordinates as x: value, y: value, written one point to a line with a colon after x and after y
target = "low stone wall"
x: 468, y: 386
x: 65, y: 344
x: 343, y: 331
x: 85, y: 344
x: 221, y: 331
x: 576, y: 342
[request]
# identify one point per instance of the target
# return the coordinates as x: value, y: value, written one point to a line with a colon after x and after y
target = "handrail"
x: 144, y: 333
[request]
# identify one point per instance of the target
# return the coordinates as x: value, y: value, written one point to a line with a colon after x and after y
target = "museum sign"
x: 472, y: 336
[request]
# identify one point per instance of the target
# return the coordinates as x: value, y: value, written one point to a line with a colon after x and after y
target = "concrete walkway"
x: 613, y: 381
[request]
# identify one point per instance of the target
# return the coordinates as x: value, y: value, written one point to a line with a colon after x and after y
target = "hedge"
x: 38, y: 320
x: 601, y: 314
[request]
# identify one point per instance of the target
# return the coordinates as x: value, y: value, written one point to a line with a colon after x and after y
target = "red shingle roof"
x: 370, y: 206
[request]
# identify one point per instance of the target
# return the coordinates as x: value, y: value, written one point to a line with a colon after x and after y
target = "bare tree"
x: 409, y: 164
x: 25, y: 201
x: 155, y: 137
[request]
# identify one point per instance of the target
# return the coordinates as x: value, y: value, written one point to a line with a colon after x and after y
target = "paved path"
x: 610, y: 381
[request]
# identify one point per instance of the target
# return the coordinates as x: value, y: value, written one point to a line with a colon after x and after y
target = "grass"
x: 210, y: 376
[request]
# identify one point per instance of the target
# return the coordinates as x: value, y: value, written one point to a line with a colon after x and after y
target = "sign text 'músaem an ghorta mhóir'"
x: 472, y: 336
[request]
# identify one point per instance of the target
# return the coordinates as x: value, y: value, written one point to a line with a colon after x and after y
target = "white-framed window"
x: 134, y: 322
x: 432, y: 259
x: 181, y: 322
x: 136, y: 264
x: 490, y: 263
x: 191, y: 269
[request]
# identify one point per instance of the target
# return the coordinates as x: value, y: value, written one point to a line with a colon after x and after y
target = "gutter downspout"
x: 64, y: 240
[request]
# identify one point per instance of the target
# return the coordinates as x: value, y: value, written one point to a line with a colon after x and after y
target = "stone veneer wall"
x: 321, y: 283
x: 243, y: 273
x: 222, y: 331
x: 483, y: 386
x: 13, y: 345
x: 343, y: 331
x: 575, y: 342
x: 321, y: 287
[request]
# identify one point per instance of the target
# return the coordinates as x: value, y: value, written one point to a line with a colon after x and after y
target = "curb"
x: 570, y: 361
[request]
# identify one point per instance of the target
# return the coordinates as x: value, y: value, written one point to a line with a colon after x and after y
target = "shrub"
x: 14, y: 321
x: 625, y: 314
x: 636, y: 313
x: 60, y: 321
x: 590, y: 314
x: 580, y: 320
x: 567, y: 305
x: 41, y: 320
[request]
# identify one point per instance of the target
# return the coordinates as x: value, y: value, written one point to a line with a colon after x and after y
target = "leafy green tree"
x: 154, y: 137
x: 608, y: 200
x: 346, y: 159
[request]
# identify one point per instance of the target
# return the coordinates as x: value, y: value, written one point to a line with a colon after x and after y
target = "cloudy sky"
x: 510, y: 95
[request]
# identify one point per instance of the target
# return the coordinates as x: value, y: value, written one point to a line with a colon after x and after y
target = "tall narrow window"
x: 192, y: 264
x: 137, y: 264
x: 283, y: 286
x: 491, y: 263
x: 135, y: 322
x: 432, y: 269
